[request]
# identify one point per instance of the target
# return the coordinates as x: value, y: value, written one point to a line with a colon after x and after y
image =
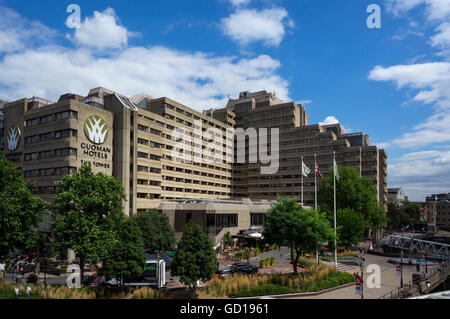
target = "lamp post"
x: 401, y: 268
x: 361, y: 265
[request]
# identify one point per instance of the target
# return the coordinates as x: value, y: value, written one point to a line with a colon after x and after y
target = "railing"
x: 400, y: 293
x: 432, y: 249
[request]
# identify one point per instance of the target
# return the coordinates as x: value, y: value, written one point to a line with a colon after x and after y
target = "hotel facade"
x: 145, y: 142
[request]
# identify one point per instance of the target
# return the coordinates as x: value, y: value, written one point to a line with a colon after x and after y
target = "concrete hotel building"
x: 133, y: 139
x: 299, y: 139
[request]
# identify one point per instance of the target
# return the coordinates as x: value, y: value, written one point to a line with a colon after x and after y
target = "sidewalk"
x: 389, y: 280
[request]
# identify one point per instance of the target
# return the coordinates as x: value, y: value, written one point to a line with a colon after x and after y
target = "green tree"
x: 20, y: 210
x: 401, y: 215
x: 302, y: 230
x: 227, y: 239
x: 195, y: 258
x: 157, y: 233
x: 353, y: 192
x: 127, y: 257
x: 350, y: 227
x: 86, y: 208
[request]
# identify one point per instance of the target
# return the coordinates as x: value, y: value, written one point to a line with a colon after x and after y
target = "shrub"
x: 272, y: 261
x: 146, y: 293
x: 238, y: 255
x: 262, y: 263
x: 314, y: 278
x: 263, y: 290
x: 305, y: 262
x: 32, y: 279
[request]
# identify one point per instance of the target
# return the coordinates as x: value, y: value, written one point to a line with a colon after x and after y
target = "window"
x: 155, y: 170
x: 226, y: 220
x: 66, y: 114
x: 46, y: 172
x: 31, y: 156
x: 155, y: 157
x: 46, y: 119
x: 65, y: 152
x: 154, y: 144
x: 33, y: 173
x: 65, y: 170
x: 156, y: 132
x: 258, y: 219
x: 142, y: 141
x: 45, y: 154
x: 141, y: 168
x: 142, y: 182
x: 65, y: 133
x: 31, y: 139
x: 46, y: 137
x: 32, y: 122
x: 142, y: 128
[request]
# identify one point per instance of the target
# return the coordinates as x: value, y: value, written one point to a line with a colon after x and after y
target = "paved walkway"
x: 389, y: 281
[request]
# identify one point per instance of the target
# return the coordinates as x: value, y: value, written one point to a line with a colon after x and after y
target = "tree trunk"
x: 295, y: 260
x: 82, y: 262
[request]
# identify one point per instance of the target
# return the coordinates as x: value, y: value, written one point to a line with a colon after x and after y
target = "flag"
x: 305, y: 170
x: 335, y: 169
x: 317, y: 171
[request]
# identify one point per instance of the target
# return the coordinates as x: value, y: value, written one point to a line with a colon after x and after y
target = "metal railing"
x: 430, y: 248
x: 400, y: 293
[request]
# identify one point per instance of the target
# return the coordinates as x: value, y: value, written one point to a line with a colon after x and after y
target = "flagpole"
x: 335, y: 232
x: 315, y: 195
x: 302, y: 181
x: 315, y: 181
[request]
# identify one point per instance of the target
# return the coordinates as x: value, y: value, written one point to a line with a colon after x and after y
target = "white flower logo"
x: 13, y: 138
x: 96, y: 129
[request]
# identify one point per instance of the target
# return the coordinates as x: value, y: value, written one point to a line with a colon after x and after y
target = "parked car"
x: 223, y: 273
x: 92, y: 281
x: 244, y: 268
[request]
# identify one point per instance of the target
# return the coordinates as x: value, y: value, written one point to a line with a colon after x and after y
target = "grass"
x: 314, y: 278
x: 339, y: 258
x: 63, y: 292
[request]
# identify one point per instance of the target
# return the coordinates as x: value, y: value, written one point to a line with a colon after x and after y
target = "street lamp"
x: 401, y: 268
x: 361, y: 265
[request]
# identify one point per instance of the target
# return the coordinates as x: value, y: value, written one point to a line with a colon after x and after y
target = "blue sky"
x: 392, y: 83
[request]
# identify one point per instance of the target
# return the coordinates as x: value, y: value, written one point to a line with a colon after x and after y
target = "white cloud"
x: 425, y: 171
x: 16, y: 32
x: 329, y: 120
x: 434, y: 130
x: 102, y: 32
x: 442, y: 38
x: 333, y: 120
x: 435, y: 9
x: 432, y: 84
x: 250, y: 25
x: 421, y: 173
x: 238, y: 3
x: 304, y: 102
x: 432, y: 79
x: 197, y: 79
